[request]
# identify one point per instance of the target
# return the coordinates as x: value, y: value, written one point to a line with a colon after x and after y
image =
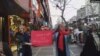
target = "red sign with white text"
x: 41, y: 38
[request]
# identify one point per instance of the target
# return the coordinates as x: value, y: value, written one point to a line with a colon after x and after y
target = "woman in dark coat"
x: 26, y: 48
x: 61, y: 47
x: 89, y: 48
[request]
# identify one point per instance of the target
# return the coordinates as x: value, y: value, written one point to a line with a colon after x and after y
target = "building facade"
x: 92, y: 8
x: 81, y: 13
x: 92, y: 11
x: 74, y: 18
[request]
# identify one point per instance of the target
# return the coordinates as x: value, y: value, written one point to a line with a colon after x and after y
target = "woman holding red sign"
x: 24, y: 38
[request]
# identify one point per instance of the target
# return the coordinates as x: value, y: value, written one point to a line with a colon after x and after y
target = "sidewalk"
x: 40, y: 51
x: 75, y: 49
x: 44, y: 51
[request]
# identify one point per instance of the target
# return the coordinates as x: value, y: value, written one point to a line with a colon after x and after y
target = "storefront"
x: 8, y: 26
x: 14, y: 22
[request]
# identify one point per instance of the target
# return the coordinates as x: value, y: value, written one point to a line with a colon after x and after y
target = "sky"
x: 71, y: 10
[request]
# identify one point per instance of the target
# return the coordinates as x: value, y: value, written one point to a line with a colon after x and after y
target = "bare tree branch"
x: 59, y: 7
x: 72, y: 7
x: 68, y: 2
x: 62, y: 7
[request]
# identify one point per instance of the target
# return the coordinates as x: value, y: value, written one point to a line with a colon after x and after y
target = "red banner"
x: 41, y: 38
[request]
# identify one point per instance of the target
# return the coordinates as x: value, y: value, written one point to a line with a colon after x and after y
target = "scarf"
x: 61, y: 41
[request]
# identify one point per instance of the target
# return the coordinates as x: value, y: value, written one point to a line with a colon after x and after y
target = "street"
x: 74, y: 49
x: 44, y: 51
x: 50, y: 27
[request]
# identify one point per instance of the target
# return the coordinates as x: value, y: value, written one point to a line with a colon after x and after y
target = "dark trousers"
x: 61, y: 53
x: 89, y: 48
x: 26, y: 50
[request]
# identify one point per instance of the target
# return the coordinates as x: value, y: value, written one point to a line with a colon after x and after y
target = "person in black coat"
x: 24, y: 40
x: 89, y: 48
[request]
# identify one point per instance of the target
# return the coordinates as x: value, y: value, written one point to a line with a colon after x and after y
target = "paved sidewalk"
x: 75, y: 50
x: 44, y: 51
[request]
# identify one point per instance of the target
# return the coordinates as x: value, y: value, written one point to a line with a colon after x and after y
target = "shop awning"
x: 14, y: 7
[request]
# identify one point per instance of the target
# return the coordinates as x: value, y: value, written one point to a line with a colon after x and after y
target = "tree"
x: 61, y: 5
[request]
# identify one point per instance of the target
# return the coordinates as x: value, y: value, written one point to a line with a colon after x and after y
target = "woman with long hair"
x: 61, y: 46
x: 25, y: 41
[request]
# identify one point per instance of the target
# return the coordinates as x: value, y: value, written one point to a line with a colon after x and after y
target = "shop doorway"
x: 14, y: 22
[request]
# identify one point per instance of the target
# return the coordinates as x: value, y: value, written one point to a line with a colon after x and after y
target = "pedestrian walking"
x: 91, y: 45
x: 61, y: 46
x: 19, y: 39
x: 25, y: 41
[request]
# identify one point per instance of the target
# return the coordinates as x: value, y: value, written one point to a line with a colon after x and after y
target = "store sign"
x: 41, y: 38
